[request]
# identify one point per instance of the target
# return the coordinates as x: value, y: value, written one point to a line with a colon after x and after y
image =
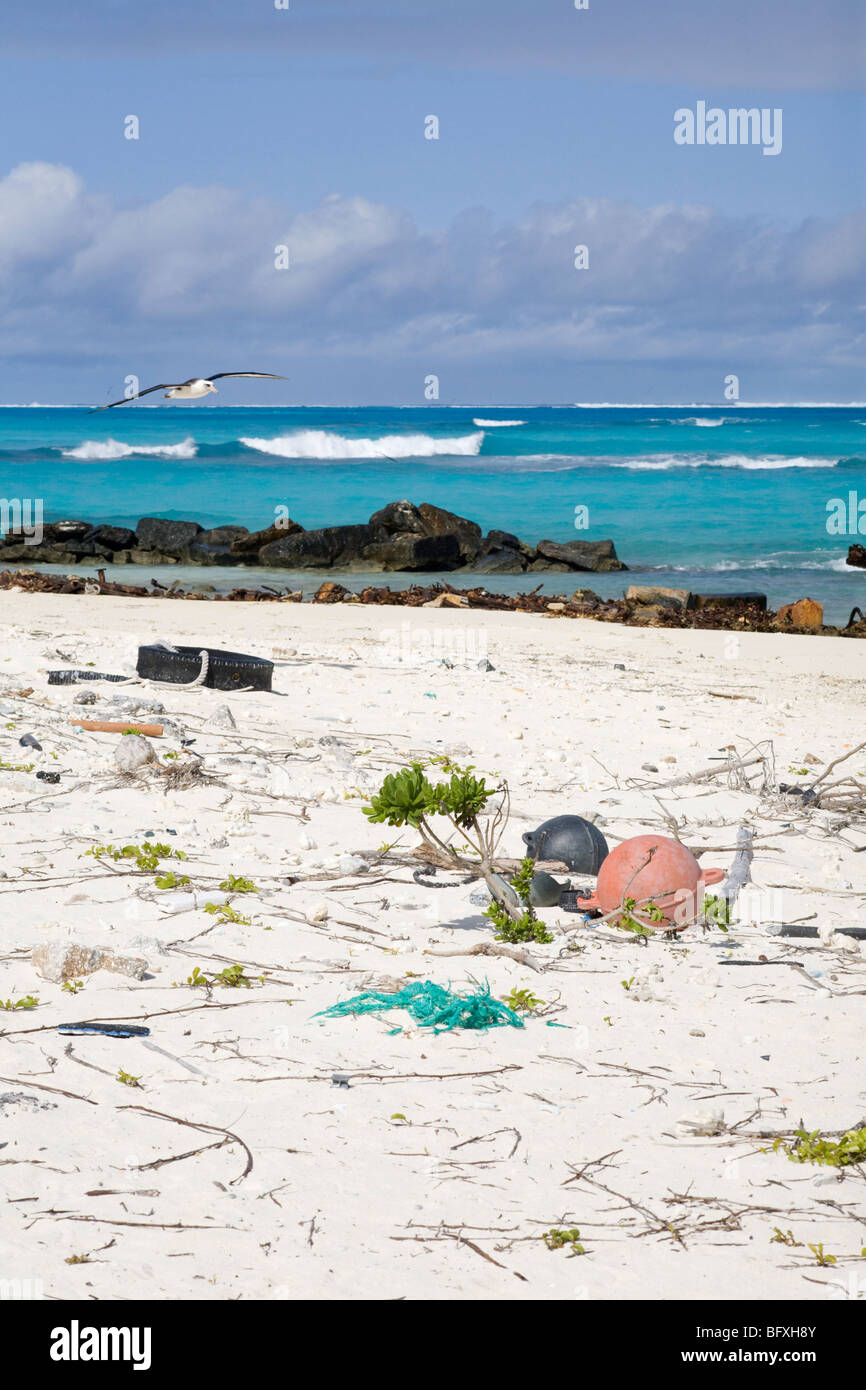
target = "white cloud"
x: 192, y: 274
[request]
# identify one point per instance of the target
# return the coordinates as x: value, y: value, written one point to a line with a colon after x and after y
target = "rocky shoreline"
x: 400, y: 536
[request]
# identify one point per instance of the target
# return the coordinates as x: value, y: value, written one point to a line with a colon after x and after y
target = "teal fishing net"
x: 432, y: 1007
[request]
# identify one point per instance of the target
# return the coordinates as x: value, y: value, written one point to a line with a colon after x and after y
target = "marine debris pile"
x: 641, y: 606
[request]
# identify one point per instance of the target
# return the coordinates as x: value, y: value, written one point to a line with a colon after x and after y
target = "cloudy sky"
x: 305, y: 128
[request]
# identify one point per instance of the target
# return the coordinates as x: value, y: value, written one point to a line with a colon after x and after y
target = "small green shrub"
x: 555, y: 1240
x: 832, y: 1153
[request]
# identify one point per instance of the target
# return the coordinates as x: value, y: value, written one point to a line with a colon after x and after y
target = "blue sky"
x: 305, y: 127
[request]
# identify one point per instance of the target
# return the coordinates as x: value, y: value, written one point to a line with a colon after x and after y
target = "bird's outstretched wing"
x: 164, y: 386
x: 216, y: 375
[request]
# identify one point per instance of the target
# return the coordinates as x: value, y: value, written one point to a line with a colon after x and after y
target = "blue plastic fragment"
x: 106, y: 1030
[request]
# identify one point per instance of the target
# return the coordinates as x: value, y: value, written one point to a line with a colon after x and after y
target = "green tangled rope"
x: 433, y: 1007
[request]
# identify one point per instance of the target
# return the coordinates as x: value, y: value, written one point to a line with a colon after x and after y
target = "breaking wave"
x: 95, y: 450
x: 318, y: 444
x: 496, y: 424
x: 772, y: 461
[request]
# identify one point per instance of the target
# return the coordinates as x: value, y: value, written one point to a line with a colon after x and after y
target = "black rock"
x: 333, y: 545
x: 247, y: 546
x: 63, y: 531
x: 114, y: 537
x: 215, y: 547
x: 410, y: 552
x: 599, y: 556
x: 398, y: 518
x: 499, y: 562
x: 502, y: 540
x: 169, y: 537
x: 438, y: 522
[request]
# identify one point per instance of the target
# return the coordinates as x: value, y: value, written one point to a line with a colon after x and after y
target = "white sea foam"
x: 777, y: 560
x: 497, y: 424
x: 319, y: 444
x: 664, y: 463
x: 95, y: 450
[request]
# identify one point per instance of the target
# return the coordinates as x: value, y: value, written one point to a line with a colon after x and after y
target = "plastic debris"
x: 106, y: 1030
x: 62, y: 961
x: 544, y: 890
x: 433, y: 1007
x: 659, y: 872
x: 223, y: 718
x: 203, y: 666
x: 573, y: 841
x: 114, y: 726
x: 28, y: 741
x: 775, y: 929
x: 73, y: 677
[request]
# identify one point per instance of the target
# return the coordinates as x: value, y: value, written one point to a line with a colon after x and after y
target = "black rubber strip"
x: 226, y: 670
x: 73, y: 677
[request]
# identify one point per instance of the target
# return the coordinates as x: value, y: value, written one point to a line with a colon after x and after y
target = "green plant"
x: 525, y: 925
x: 555, y: 1240
x: 839, y: 1153
x: 146, y: 856
x: 29, y: 1001
x: 522, y: 1001
x: 78, y: 1260
x: 126, y: 1080
x: 716, y: 911
x: 232, y: 977
x: 780, y: 1237
x: 72, y: 986
x: 171, y: 880
x: 227, y: 913
x: 628, y: 922
x: 233, y: 884
x: 408, y: 797
x: 823, y: 1260
x: 627, y: 984
x: 17, y: 767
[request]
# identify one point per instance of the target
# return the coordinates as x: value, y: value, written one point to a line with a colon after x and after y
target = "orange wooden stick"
x: 108, y: 726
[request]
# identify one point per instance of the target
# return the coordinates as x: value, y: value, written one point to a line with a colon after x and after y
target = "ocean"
x: 703, y: 497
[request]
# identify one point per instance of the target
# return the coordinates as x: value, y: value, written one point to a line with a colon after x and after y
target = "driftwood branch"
x: 491, y: 948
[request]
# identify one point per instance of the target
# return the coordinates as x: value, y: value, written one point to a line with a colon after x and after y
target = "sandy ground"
x: 634, y: 1115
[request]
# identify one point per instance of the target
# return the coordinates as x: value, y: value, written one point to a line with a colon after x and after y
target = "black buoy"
x: 576, y: 842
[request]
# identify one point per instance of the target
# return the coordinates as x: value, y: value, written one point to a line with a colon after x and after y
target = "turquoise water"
x: 707, y: 497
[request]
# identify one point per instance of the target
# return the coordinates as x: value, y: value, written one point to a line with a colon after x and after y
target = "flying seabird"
x: 191, y: 390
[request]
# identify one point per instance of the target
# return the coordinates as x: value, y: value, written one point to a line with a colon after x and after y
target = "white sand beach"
x: 642, y: 1116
